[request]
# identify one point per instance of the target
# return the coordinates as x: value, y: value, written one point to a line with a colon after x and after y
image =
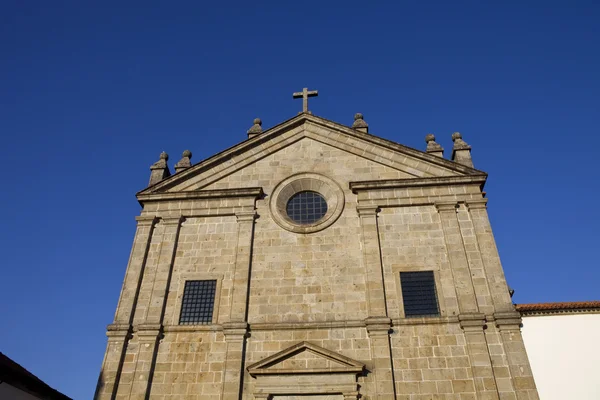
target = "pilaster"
x: 372, y: 261
x: 509, y: 325
x: 118, y: 336
x: 473, y: 325
x: 236, y: 329
x: 490, y: 256
x: 147, y: 337
x: 164, y: 269
x: 235, y: 339
x: 381, y: 357
x: 135, y: 269
x: 243, y: 259
x: 119, y: 332
x: 475, y: 261
x: 467, y: 303
x: 136, y: 379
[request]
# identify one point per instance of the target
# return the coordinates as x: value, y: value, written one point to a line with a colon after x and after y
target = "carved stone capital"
x: 472, y: 321
x: 476, y: 204
x: 506, y: 321
x: 378, y: 325
x: 118, y: 331
x: 235, y: 331
x: 367, y: 211
x: 146, y: 220
x: 148, y: 332
x: 446, y: 206
x: 245, y: 216
x: 172, y: 220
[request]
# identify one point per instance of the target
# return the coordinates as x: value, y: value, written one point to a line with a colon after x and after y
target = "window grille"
x: 418, y: 293
x: 306, y: 207
x: 198, y: 302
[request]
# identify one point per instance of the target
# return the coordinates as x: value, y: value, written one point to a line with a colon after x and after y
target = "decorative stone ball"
x: 187, y: 154
x: 164, y: 156
x: 257, y: 121
x: 456, y: 135
x: 430, y: 137
x: 358, y: 116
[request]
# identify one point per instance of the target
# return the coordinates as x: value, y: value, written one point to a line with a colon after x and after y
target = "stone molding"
x: 378, y: 325
x: 235, y: 331
x: 357, y: 186
x: 446, y: 206
x: 246, y: 216
x: 472, y: 321
x: 367, y: 210
x: 119, y: 331
x: 146, y: 220
x: 476, y: 204
x: 255, y: 192
x: 286, y: 326
x: 506, y: 321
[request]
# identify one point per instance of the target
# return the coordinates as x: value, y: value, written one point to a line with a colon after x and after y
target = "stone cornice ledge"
x: 255, y: 192
x: 418, y: 182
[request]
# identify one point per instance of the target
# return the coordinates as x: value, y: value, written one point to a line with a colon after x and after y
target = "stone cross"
x: 305, y: 94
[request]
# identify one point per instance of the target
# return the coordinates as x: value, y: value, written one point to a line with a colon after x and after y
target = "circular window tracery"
x: 321, y: 197
x: 306, y: 207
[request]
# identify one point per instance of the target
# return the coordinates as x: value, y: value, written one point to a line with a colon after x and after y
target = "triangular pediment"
x: 303, y: 358
x: 393, y: 160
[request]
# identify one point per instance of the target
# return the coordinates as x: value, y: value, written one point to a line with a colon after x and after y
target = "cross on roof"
x: 305, y: 94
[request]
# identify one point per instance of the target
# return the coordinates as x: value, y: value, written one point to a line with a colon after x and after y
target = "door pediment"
x: 305, y: 358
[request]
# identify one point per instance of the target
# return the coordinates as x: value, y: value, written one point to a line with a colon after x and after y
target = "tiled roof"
x: 17, y: 376
x: 553, y: 308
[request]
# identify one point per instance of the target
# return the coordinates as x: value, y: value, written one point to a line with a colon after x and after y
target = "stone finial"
x: 185, y: 162
x: 256, y: 128
x: 432, y: 146
x: 360, y: 124
x: 160, y: 169
x: 461, y: 152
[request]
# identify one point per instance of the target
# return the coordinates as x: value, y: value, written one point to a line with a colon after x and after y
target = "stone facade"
x: 316, y: 312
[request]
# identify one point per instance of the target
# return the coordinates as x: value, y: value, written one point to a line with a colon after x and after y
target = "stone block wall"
x: 337, y: 288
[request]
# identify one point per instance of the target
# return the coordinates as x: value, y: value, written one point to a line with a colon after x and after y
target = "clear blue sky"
x: 91, y: 92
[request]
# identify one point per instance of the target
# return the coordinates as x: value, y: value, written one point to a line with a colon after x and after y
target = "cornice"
x: 255, y: 192
x: 418, y: 182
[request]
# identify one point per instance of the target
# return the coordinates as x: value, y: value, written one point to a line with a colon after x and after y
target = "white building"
x: 563, y: 345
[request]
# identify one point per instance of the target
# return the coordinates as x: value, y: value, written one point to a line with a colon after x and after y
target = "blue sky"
x: 92, y: 92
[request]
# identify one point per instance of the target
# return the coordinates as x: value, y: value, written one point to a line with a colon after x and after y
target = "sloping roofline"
x: 573, y: 307
x: 295, y: 121
x: 15, y: 375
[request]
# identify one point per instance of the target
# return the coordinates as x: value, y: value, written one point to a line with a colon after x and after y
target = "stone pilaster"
x: 118, y: 336
x: 241, y: 275
x: 119, y: 332
x: 479, y: 355
x: 381, y: 357
x: 475, y: 261
x: 146, y: 337
x: 372, y: 261
x: 235, y: 337
x: 136, y: 378
x: 490, y: 256
x: 509, y: 325
x: 236, y: 329
x: 467, y: 302
x: 135, y: 269
x: 164, y: 269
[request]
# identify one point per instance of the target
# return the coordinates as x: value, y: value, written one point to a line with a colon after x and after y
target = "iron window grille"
x: 306, y: 207
x: 419, y: 295
x: 198, y: 302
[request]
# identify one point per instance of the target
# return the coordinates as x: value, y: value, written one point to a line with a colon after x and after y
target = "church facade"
x: 316, y: 261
